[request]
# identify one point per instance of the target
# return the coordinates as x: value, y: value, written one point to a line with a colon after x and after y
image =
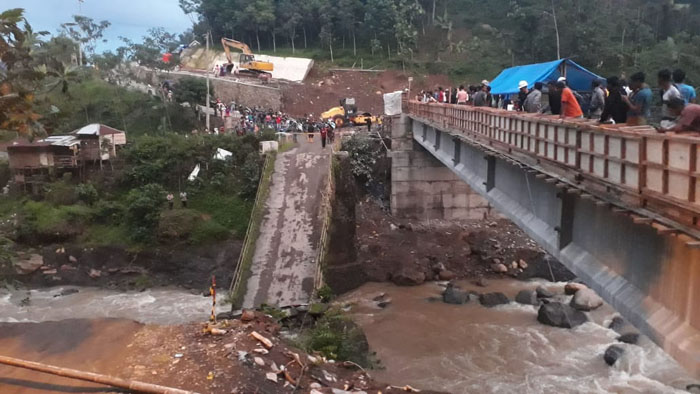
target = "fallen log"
x: 92, y: 377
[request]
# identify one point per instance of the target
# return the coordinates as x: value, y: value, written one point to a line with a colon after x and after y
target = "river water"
x: 154, y: 306
x: 473, y: 349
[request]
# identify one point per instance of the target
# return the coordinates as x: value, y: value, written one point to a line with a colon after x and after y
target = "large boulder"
x: 560, y: 315
x: 26, y: 267
x: 493, y: 299
x: 408, y: 276
x: 586, y: 300
x: 612, y: 354
x: 452, y: 295
x: 527, y: 297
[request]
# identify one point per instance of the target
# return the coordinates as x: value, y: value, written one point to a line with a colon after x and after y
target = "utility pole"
x: 208, y: 68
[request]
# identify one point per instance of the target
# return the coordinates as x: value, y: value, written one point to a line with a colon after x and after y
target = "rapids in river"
x: 426, y: 344
x: 164, y: 306
x: 472, y: 349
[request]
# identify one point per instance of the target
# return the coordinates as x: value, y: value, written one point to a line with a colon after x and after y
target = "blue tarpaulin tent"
x: 577, y: 77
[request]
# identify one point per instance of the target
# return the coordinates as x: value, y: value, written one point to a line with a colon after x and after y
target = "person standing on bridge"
x: 462, y: 96
x: 687, y: 91
x: 615, y: 106
x: 569, y: 105
x: 597, y: 100
x: 639, y: 101
x: 533, y: 102
x: 369, y: 124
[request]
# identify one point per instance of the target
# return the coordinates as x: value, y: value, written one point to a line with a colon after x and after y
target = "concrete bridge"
x: 619, y: 206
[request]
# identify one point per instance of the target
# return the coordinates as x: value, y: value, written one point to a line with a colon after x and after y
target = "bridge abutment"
x: 422, y: 188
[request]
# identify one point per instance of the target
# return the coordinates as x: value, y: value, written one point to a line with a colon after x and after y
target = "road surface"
x: 284, y: 263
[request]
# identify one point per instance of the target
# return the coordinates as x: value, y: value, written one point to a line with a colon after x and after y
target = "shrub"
x: 250, y: 175
x: 46, y: 222
x: 337, y: 337
x: 209, y: 231
x: 87, y: 193
x: 61, y: 193
x: 178, y: 224
x: 363, y: 155
x: 143, y: 211
x: 109, y: 212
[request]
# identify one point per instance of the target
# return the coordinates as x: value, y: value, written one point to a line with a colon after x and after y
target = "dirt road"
x: 284, y: 263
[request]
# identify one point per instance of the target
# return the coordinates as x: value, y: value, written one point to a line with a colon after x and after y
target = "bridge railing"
x: 650, y: 169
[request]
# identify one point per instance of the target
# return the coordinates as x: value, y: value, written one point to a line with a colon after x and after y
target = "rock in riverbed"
x: 492, y: 299
x: 586, y: 300
x: 543, y: 293
x: 631, y: 338
x: 572, y: 287
x: 612, y: 354
x: 560, y: 315
x: 26, y: 267
x: 452, y: 295
x: 408, y: 277
x: 527, y: 297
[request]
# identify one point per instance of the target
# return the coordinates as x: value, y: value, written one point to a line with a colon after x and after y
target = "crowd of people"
x: 613, y: 100
x: 243, y: 120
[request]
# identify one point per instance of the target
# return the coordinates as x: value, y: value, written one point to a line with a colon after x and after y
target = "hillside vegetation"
x: 468, y: 39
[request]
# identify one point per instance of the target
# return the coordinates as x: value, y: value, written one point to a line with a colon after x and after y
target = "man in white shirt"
x: 669, y: 92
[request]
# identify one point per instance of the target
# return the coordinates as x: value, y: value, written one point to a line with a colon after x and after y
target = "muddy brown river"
x: 473, y: 349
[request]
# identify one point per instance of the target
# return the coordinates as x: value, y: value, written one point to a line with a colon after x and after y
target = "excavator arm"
x: 247, y: 60
x: 229, y: 43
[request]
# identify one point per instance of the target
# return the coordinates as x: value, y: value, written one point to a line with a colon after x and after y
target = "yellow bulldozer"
x: 346, y: 114
x: 246, y: 60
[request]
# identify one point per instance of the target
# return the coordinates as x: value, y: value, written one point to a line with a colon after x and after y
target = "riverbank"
x: 184, y: 356
x: 119, y: 268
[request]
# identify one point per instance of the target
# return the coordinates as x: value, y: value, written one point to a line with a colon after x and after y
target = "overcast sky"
x: 130, y: 18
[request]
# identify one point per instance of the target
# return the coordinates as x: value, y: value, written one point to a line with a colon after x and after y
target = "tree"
x: 18, y: 78
x: 86, y: 32
x: 380, y: 19
x: 191, y: 90
x: 143, y: 211
x: 290, y: 17
x: 351, y: 14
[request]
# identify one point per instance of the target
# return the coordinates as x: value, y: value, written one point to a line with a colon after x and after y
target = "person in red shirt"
x: 324, y: 134
x: 688, y: 116
x: 569, y: 104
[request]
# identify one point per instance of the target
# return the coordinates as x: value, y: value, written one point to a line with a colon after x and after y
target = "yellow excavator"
x: 246, y: 59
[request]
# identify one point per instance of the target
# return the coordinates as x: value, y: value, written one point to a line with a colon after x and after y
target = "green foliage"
x: 251, y: 174
x: 325, y: 293
x: 227, y: 209
x: 109, y: 212
x: 143, y: 211
x: 87, y: 193
x: 209, y: 231
x: 178, y: 224
x: 363, y: 155
x: 61, y: 193
x: 45, y: 222
x: 191, y: 90
x: 337, y: 337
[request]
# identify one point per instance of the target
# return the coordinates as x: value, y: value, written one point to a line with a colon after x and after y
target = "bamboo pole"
x: 92, y: 377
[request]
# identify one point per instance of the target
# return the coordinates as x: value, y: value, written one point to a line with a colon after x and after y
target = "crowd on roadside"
x: 243, y: 120
x: 612, y: 100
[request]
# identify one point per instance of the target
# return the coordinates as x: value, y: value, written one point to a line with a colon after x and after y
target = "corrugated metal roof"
x: 96, y: 129
x: 61, y: 140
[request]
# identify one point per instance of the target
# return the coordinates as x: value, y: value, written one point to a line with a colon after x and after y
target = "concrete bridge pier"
x: 422, y: 188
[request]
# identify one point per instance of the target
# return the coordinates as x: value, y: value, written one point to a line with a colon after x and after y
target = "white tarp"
x: 392, y: 103
x: 222, y: 154
x: 194, y: 173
